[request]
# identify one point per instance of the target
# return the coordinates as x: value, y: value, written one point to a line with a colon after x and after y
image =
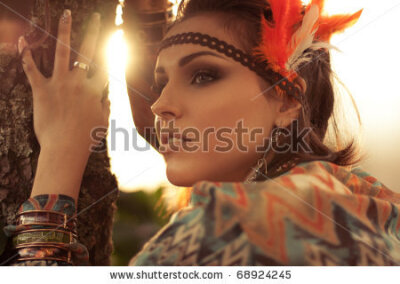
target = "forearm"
x: 55, y: 191
x: 59, y: 244
x: 60, y: 171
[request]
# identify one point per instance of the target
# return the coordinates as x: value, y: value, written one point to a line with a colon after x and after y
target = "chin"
x: 181, y: 183
x: 183, y: 172
x: 181, y: 178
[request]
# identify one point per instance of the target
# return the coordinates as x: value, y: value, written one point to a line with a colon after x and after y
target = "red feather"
x: 287, y: 14
x: 338, y: 23
x: 275, y: 39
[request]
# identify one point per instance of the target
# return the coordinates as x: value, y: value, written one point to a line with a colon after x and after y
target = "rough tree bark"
x: 19, y: 148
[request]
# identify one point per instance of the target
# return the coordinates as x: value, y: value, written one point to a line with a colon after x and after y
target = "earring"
x: 256, y: 171
x: 277, y: 132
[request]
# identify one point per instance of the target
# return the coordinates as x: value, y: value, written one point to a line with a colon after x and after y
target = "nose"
x: 165, y: 108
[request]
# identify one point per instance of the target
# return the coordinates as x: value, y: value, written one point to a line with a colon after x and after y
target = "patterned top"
x: 317, y: 213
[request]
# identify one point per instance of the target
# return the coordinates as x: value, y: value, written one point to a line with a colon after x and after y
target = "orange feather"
x: 275, y: 47
x: 334, y: 24
x: 275, y: 39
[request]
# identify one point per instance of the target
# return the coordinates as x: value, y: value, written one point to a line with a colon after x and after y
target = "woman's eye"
x: 203, y: 76
x: 199, y: 78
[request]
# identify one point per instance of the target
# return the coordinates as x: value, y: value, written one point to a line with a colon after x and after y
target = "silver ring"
x: 81, y: 65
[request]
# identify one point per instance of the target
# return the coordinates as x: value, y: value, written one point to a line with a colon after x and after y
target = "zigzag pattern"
x: 317, y: 214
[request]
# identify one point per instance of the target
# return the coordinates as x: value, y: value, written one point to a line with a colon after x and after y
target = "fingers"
x: 88, y: 46
x: 33, y: 74
x: 61, y: 65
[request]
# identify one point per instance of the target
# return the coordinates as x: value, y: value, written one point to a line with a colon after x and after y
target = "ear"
x: 300, y: 82
x: 288, y: 111
x: 289, y: 108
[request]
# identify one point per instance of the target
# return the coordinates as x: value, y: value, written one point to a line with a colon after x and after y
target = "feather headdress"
x: 283, y: 46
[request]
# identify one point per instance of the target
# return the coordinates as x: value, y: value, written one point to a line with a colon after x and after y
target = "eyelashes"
x: 205, y: 76
x: 208, y: 75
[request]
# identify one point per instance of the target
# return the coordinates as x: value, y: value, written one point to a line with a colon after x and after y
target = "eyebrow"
x: 186, y: 59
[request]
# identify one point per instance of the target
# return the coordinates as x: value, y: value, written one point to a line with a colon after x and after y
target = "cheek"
x: 243, y: 109
x: 231, y: 127
x: 238, y: 99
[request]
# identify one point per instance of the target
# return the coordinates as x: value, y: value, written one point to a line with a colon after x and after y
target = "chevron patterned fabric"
x: 318, y: 213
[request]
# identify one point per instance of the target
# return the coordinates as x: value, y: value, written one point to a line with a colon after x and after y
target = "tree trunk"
x: 19, y: 148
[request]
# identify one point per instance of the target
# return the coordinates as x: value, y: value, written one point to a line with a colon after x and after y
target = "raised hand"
x: 69, y: 105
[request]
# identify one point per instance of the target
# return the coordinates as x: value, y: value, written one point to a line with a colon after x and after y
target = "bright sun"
x: 135, y: 169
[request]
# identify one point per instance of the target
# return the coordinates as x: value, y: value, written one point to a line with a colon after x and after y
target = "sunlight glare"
x: 134, y: 169
x: 118, y: 19
x: 117, y: 54
x: 175, y: 7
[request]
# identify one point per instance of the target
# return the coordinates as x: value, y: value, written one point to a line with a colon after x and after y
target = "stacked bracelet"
x: 34, y: 218
x: 45, y: 228
x: 45, y: 253
x: 43, y: 236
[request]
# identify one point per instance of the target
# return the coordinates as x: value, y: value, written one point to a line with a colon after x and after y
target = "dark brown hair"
x: 241, y: 16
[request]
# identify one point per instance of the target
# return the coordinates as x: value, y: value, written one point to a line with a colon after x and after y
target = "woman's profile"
x: 242, y: 102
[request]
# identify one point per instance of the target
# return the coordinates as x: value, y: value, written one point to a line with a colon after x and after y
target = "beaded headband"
x: 282, y: 49
x: 261, y: 68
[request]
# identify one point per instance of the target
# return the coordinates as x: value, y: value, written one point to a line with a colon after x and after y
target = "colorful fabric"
x: 55, y: 202
x: 317, y: 213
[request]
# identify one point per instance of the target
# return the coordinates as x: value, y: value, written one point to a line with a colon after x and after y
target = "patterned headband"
x: 260, y: 67
x: 282, y: 50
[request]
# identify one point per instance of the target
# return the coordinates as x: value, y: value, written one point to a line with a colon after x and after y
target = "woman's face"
x: 217, y: 100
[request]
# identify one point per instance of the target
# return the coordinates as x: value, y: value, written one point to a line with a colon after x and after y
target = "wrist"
x: 72, y: 145
x: 60, y: 170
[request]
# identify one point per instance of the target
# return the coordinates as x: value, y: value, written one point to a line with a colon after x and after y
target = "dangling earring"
x: 277, y: 132
x: 263, y: 162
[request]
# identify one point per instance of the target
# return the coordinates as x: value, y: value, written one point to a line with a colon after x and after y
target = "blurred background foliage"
x: 139, y: 216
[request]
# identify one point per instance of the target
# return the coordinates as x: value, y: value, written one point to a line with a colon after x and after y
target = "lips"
x: 168, y: 137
